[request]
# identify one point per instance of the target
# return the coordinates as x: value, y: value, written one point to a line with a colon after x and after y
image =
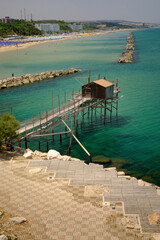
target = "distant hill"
x: 18, y: 27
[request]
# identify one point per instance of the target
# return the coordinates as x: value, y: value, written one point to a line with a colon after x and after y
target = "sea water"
x: 130, y: 142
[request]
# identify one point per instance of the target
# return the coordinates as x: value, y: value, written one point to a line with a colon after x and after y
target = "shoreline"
x: 30, y: 44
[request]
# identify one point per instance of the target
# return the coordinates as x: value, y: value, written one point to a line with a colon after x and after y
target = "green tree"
x: 8, y: 128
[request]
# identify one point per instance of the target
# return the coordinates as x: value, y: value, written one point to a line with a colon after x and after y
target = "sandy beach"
x: 29, y: 44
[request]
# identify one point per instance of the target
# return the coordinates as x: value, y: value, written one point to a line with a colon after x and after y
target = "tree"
x: 8, y: 128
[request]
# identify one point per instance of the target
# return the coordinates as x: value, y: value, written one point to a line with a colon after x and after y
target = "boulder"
x: 126, y: 177
x: 65, y: 158
x: 53, y: 154
x: 75, y: 159
x: 25, y: 81
x: 158, y: 191
x: 143, y: 183
x: 121, y: 173
x: 3, y: 237
x: 32, y: 79
x: 18, y: 220
x: 28, y: 155
x: 29, y: 150
x: 110, y: 169
x: 39, y: 154
x: 1, y: 213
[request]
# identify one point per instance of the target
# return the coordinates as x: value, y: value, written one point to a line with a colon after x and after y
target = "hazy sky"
x: 134, y: 10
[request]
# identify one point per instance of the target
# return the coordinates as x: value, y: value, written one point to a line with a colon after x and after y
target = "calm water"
x: 133, y: 141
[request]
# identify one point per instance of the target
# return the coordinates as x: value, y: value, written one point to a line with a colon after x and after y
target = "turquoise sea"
x: 132, y: 141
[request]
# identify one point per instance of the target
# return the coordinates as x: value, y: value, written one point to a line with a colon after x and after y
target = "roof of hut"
x: 104, y: 83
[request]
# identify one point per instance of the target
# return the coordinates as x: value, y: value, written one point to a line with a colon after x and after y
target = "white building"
x: 48, y: 27
x: 76, y: 27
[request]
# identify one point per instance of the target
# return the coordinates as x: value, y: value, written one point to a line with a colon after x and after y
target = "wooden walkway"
x: 54, y: 117
x: 77, y: 106
x: 58, y: 112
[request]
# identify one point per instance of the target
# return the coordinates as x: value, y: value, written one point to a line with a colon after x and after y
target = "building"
x: 101, y: 26
x: 48, y: 27
x: 7, y: 19
x: 76, y: 27
x: 98, y: 89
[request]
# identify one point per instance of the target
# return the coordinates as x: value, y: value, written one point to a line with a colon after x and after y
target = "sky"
x: 79, y: 10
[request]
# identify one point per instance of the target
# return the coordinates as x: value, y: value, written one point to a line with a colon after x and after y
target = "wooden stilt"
x: 105, y: 113
x: 25, y: 135
x: 81, y: 123
x: 90, y: 158
x: 33, y: 121
x: 39, y: 143
x: 76, y: 126
x: 46, y: 116
x: 26, y: 146
x: 52, y: 100
x: 47, y: 144
x: 65, y: 97
x: 59, y: 103
x: 74, y: 113
x: 101, y: 111
x: 92, y: 115
x: 70, y: 142
x: 89, y: 77
x: 52, y: 134
x: 60, y: 135
x: 65, y: 130
x: 19, y: 143
x: 111, y: 113
x: 77, y: 139
x: 60, y: 138
x: 40, y: 121
x: 117, y: 101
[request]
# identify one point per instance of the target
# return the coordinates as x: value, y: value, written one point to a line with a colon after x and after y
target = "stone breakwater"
x: 31, y: 78
x: 127, y: 56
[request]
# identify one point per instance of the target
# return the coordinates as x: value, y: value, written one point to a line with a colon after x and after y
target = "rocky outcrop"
x: 31, y: 78
x: 127, y: 56
x: 53, y: 154
x: 17, y: 220
x: 130, y: 46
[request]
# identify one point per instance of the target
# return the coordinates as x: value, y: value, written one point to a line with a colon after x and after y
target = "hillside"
x: 18, y: 27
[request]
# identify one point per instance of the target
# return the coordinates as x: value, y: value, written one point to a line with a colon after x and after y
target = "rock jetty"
x: 127, y: 56
x: 31, y: 78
